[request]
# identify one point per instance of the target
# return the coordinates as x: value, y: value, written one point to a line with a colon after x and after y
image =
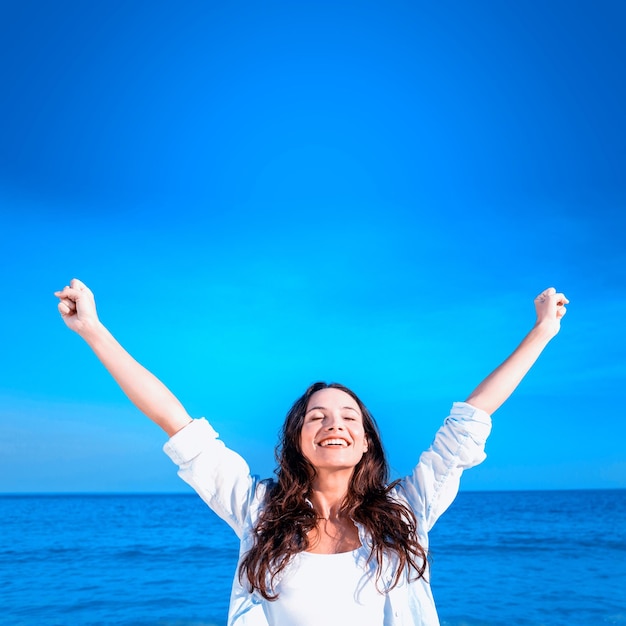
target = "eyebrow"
x: 350, y: 408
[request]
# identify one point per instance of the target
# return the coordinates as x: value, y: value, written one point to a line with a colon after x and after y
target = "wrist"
x: 92, y: 331
x: 546, y: 329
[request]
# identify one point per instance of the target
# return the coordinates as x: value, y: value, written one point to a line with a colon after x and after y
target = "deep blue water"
x: 498, y: 558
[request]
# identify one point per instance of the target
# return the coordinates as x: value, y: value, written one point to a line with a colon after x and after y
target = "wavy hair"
x: 287, y: 516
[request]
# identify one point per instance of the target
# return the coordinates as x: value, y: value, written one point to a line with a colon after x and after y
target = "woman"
x: 328, y: 542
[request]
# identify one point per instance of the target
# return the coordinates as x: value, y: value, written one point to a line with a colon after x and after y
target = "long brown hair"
x: 287, y: 516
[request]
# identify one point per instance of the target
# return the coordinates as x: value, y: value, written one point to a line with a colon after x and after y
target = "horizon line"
x: 9, y: 494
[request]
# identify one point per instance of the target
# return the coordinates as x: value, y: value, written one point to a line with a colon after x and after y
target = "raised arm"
x: 78, y: 310
x: 500, y: 384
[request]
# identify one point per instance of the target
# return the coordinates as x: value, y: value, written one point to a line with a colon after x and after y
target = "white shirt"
x: 223, y: 480
x: 328, y: 590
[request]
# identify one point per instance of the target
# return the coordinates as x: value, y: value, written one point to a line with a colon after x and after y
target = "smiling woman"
x: 329, y: 540
x: 331, y: 497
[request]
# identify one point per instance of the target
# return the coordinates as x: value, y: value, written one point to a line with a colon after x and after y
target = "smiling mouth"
x: 333, y: 443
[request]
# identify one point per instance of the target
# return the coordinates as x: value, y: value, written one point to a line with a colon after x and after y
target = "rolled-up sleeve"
x: 458, y: 445
x: 220, y: 476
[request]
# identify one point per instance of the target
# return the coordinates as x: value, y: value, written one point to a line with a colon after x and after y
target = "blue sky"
x: 262, y: 195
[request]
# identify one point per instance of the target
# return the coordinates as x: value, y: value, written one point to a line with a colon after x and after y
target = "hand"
x: 77, y: 306
x: 550, y: 307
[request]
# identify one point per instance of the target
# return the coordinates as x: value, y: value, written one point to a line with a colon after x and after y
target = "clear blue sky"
x: 262, y: 195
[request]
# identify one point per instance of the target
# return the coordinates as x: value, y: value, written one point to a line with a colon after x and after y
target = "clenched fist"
x: 550, y: 307
x: 77, y: 306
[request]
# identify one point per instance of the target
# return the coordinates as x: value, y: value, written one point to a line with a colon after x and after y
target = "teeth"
x: 334, y: 442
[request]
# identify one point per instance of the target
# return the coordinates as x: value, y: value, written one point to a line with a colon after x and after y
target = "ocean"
x: 498, y: 558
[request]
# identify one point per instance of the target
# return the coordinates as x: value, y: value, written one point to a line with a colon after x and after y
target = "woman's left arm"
x: 500, y: 384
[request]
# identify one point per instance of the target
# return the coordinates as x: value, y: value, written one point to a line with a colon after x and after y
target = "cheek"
x: 307, y: 437
x: 365, y: 441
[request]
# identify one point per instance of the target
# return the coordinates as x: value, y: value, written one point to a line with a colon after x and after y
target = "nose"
x: 334, y: 423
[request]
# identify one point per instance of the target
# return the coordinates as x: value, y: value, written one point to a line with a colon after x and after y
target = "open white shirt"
x: 223, y: 480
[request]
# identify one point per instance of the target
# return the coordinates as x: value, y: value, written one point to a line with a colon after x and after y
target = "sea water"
x: 498, y: 558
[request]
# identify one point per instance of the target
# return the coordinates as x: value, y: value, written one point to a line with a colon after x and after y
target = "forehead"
x: 331, y: 398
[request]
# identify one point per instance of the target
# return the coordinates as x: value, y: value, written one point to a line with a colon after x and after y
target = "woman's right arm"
x: 78, y: 310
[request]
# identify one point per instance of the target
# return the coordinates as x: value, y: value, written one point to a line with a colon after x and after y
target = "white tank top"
x: 327, y: 590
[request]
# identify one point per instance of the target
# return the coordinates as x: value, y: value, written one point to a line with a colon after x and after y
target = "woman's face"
x: 332, y: 435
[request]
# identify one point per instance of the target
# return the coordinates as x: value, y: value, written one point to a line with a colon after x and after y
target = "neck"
x: 328, y: 493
